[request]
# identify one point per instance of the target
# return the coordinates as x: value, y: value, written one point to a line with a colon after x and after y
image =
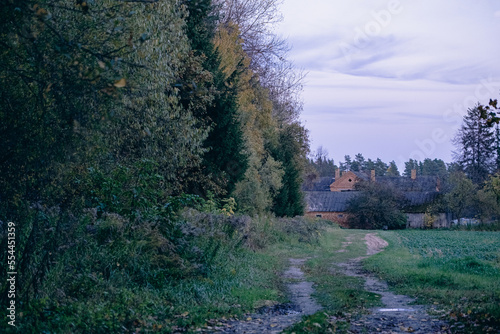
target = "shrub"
x: 376, y: 207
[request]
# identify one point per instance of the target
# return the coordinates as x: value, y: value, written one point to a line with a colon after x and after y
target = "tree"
x: 225, y: 161
x: 497, y: 147
x: 268, y: 52
x: 263, y: 177
x: 322, y: 164
x: 358, y: 164
x: 488, y: 198
x: 377, y: 205
x: 460, y: 195
x: 411, y: 165
x: 433, y: 167
x: 475, y: 146
x: 291, y: 151
x: 88, y: 89
x: 436, y: 167
x: 393, y: 169
x: 346, y: 165
x: 380, y: 167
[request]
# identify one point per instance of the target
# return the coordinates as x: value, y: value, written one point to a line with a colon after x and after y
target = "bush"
x: 376, y: 207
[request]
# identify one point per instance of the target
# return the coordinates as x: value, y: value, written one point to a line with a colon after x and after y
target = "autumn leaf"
x: 120, y: 83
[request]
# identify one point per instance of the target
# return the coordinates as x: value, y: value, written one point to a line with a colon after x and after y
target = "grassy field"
x: 458, y: 271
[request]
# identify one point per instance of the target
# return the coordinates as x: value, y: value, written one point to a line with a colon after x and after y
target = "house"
x: 331, y: 202
x: 330, y: 205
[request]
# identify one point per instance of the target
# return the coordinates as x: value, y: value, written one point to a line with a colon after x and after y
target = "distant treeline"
x: 322, y: 166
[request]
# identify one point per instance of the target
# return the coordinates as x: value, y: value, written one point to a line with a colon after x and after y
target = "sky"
x: 392, y: 79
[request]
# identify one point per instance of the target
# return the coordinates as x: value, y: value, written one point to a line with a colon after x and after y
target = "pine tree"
x: 475, y: 146
x: 393, y: 169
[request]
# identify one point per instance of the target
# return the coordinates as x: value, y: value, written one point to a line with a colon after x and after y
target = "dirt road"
x: 398, y: 315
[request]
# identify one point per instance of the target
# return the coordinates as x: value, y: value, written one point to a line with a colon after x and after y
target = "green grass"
x: 457, y: 271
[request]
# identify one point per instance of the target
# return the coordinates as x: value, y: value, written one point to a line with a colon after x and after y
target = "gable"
x: 345, y: 182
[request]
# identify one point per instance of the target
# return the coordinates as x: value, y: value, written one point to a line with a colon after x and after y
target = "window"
x: 319, y: 216
x: 350, y: 180
x: 340, y: 216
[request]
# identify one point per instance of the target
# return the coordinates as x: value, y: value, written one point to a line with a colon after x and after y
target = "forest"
x: 115, y: 116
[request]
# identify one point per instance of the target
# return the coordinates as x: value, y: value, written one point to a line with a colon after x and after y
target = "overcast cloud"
x: 392, y: 79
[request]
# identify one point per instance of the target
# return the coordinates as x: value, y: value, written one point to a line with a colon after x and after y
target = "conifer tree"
x: 475, y: 146
x: 224, y: 161
x: 291, y: 152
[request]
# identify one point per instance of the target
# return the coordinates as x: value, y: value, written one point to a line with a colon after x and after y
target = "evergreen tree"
x: 291, y: 152
x: 393, y: 169
x: 359, y: 163
x: 497, y: 147
x: 433, y: 167
x: 475, y: 146
x: 380, y: 167
x: 322, y: 164
x: 225, y: 161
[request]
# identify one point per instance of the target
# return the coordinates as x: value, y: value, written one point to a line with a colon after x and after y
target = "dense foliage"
x: 378, y: 206
x: 116, y: 115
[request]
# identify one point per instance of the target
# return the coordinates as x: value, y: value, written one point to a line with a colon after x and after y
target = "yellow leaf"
x: 41, y: 12
x: 120, y: 83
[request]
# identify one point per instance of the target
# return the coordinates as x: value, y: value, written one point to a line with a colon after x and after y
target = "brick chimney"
x: 413, y: 174
x: 337, y: 174
x: 373, y: 175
